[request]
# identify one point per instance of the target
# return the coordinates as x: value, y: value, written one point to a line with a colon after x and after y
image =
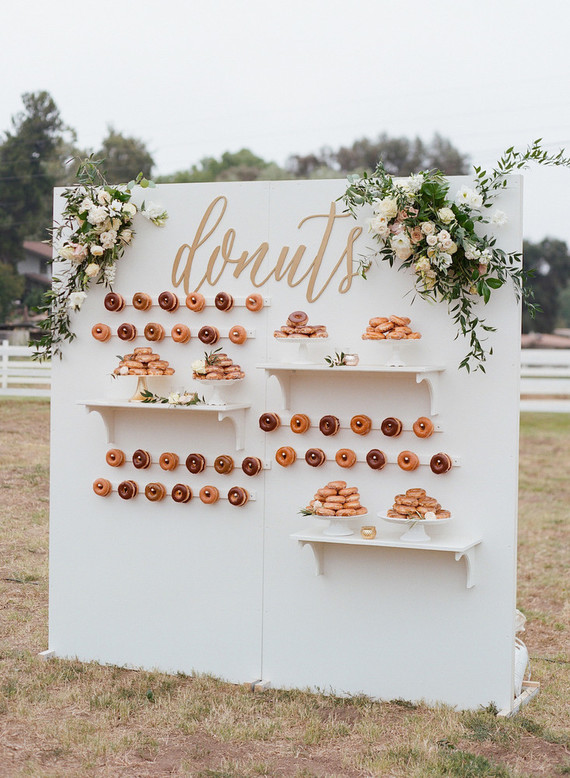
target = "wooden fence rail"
x: 22, y: 376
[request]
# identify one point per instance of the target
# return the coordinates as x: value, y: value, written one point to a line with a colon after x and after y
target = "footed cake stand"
x: 416, y: 528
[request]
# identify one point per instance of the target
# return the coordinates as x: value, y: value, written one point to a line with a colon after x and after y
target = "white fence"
x: 22, y: 376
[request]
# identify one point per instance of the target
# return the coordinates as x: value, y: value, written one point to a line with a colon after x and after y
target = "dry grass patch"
x: 67, y: 718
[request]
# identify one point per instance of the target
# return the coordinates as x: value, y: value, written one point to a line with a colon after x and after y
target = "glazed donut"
x: 115, y: 457
x: 127, y: 331
x: 141, y: 301
x: 300, y: 423
x: 269, y: 422
x: 209, y: 335
x: 101, y: 332
x: 285, y: 456
x: 195, y: 463
x: 298, y: 318
x: 154, y: 331
x: 168, y: 301
x: 252, y: 465
x: 195, y: 301
x: 237, y: 334
x: 416, y: 493
x: 376, y: 459
x: 442, y: 514
x: 142, y: 459
x: 345, y: 457
x: 128, y: 489
x: 114, y: 301
x: 102, y: 487
x: 391, y: 427
x: 168, y: 461
x: 423, y: 427
x: 209, y: 494
x: 180, y: 333
x: 361, y: 424
x: 315, y: 457
x: 224, y: 464
x: 407, y: 460
x: 440, y: 463
x: 400, y: 321
x: 238, y: 496
x: 329, y: 425
x: 254, y: 302
x: 181, y: 493
x: 154, y: 491
x: 224, y: 301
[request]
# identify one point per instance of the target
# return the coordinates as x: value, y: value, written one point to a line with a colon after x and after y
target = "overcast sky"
x: 195, y: 79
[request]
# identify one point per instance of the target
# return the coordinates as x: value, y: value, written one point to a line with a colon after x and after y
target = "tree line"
x: 40, y: 151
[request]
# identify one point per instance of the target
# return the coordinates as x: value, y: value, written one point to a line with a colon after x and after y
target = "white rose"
x: 446, y: 215
x: 156, y: 214
x: 443, y: 236
x: 97, y: 215
x: 108, y: 239
x: 129, y: 208
x: 67, y: 252
x: 86, y: 205
x: 499, y: 218
x: 124, y: 370
x: 103, y: 197
x: 431, y: 240
x: 126, y: 236
x: 75, y: 300
x: 451, y: 248
x: 403, y: 253
x: 422, y: 265
x: 116, y: 207
x: 174, y: 398
x: 447, y: 244
x: 379, y: 225
x: 92, y: 269
x: 97, y: 250
x: 388, y: 207
x: 199, y: 366
x: 430, y: 516
x: 428, y: 228
x: 400, y: 241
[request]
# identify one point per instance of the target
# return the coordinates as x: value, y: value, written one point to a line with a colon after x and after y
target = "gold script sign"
x: 261, y: 267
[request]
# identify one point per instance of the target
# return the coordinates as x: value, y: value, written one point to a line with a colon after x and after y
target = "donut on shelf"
x: 195, y: 302
x: 238, y: 496
x: 361, y: 424
x: 209, y: 335
x: 376, y: 459
x: 254, y: 302
x: 441, y: 463
x: 223, y: 464
x: 128, y: 489
x: 102, y: 487
x: 114, y: 302
x: 252, y: 466
x: 115, y: 457
x: 101, y: 332
x: 181, y: 493
x: 154, y: 331
x: 329, y: 425
x: 423, y: 427
x: 269, y: 422
x: 180, y: 333
x: 209, y: 494
x: 391, y: 427
x: 224, y: 301
x: 168, y: 460
x: 195, y: 463
x: 168, y: 301
x: 407, y: 460
x: 142, y: 301
x: 285, y: 456
x: 127, y: 331
x: 315, y: 457
x: 237, y: 334
x: 155, y: 491
x: 345, y: 457
x: 300, y: 423
x: 142, y: 460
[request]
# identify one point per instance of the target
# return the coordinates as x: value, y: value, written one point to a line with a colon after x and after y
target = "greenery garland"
x: 416, y: 224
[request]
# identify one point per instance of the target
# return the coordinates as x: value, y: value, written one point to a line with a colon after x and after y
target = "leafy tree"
x: 241, y: 165
x: 550, y: 262
x: 26, y: 179
x: 11, y: 288
x: 124, y: 157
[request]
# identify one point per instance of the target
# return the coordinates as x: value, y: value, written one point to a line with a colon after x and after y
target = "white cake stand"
x: 338, y: 525
x: 221, y: 389
x: 394, y: 355
x: 416, y: 528
x: 305, y: 348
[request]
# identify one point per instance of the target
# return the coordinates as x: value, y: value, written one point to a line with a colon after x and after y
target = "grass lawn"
x: 69, y: 719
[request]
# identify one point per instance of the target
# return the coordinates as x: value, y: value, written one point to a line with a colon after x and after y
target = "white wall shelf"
x: 460, y: 546
x: 107, y: 409
x: 284, y: 370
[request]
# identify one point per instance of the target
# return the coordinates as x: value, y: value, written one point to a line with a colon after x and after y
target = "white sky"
x: 195, y: 79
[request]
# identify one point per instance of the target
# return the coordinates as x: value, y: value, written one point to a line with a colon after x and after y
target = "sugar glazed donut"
x: 195, y: 463
x: 345, y: 457
x: 115, y: 457
x: 361, y: 424
x: 114, y: 302
x: 154, y: 331
x: 407, y: 460
x: 285, y: 456
x: 196, y: 302
x: 252, y: 466
x: 181, y: 493
x: 376, y: 459
x: 238, y: 496
x: 298, y: 318
x: 102, y: 487
x: 155, y: 491
x: 391, y: 427
x: 224, y: 464
x: 269, y: 422
x: 224, y: 301
x: 101, y: 332
x: 254, y: 302
x: 423, y: 427
x: 300, y: 423
x: 329, y: 425
x: 142, y: 459
x: 142, y: 301
x: 237, y: 334
x: 168, y: 301
x: 315, y: 457
x: 127, y: 331
x: 440, y: 463
x: 209, y: 335
x: 128, y: 489
x: 168, y: 461
x: 209, y: 494
x: 180, y: 333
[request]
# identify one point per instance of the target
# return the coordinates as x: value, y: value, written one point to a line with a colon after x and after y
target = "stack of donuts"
x: 415, y: 504
x: 297, y: 326
x: 337, y: 499
x: 390, y: 328
x: 219, y: 367
x: 143, y: 361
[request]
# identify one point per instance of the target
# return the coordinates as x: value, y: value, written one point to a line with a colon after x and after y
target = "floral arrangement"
x: 338, y: 360
x: 443, y: 241
x: 97, y: 226
x: 174, y: 398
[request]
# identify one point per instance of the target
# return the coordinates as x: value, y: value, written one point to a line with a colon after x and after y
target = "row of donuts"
x: 155, y: 491
x: 180, y: 333
x: 195, y: 463
x: 439, y: 463
x: 360, y: 424
x: 170, y: 302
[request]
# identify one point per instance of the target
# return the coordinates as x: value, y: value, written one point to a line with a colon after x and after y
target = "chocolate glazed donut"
x: 209, y: 335
x: 195, y: 463
x: 224, y: 464
x: 181, y: 493
x: 224, y: 301
x: 114, y: 302
x: 269, y: 422
x: 238, y: 496
x: 168, y: 301
x: 376, y: 459
x: 440, y: 463
x: 128, y: 489
x: 252, y: 465
x: 391, y: 427
x: 329, y: 425
x: 315, y: 457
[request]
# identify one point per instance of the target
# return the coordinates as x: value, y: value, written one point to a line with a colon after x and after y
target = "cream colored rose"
x: 446, y: 215
x: 431, y: 240
x: 92, y: 269
x: 97, y: 250
x: 126, y: 236
x: 387, y: 207
x: 199, y: 366
x: 67, y: 252
x: 129, y: 208
x: 103, y: 197
x: 427, y: 228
